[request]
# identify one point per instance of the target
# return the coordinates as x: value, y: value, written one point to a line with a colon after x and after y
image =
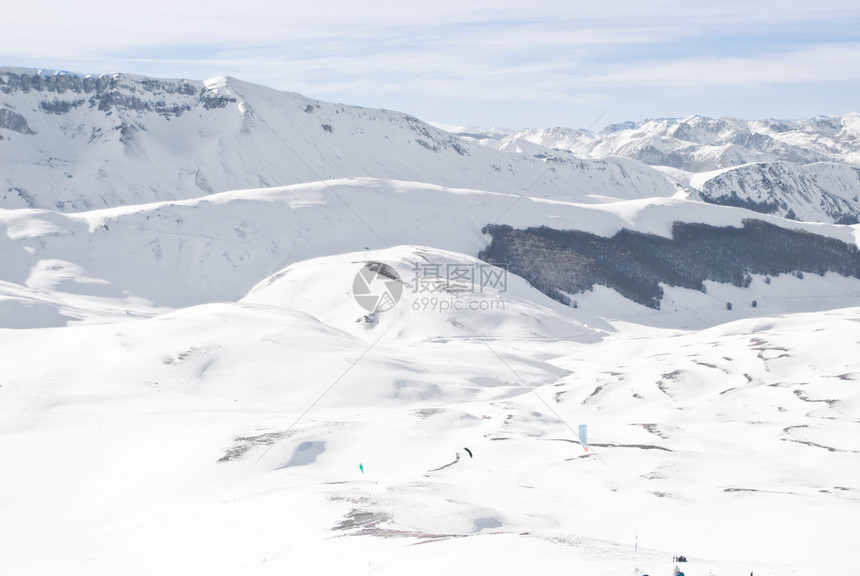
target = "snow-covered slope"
x: 75, y: 143
x: 138, y: 260
x: 258, y: 437
x: 814, y: 192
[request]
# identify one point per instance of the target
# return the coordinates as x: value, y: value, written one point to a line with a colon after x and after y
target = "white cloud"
x: 91, y: 27
x: 571, y: 53
x: 839, y: 63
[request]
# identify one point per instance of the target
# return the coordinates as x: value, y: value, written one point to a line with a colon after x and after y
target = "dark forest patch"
x: 636, y: 264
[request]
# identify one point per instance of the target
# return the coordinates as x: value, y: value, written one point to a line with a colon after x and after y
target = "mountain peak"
x: 83, y: 142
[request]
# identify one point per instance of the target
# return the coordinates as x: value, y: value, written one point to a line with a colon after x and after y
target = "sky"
x: 483, y: 63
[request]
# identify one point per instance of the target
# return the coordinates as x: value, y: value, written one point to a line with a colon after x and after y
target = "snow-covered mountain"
x: 244, y: 332
x: 75, y: 143
x: 699, y: 144
x: 806, y: 169
x: 811, y: 192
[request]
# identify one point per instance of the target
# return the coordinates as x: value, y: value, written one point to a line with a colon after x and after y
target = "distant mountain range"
x: 699, y: 144
x: 803, y: 170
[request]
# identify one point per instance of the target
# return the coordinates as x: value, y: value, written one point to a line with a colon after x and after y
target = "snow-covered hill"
x: 74, y: 143
x: 278, y: 434
x: 144, y: 259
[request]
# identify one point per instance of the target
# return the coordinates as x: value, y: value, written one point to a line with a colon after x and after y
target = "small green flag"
x: 361, y: 467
